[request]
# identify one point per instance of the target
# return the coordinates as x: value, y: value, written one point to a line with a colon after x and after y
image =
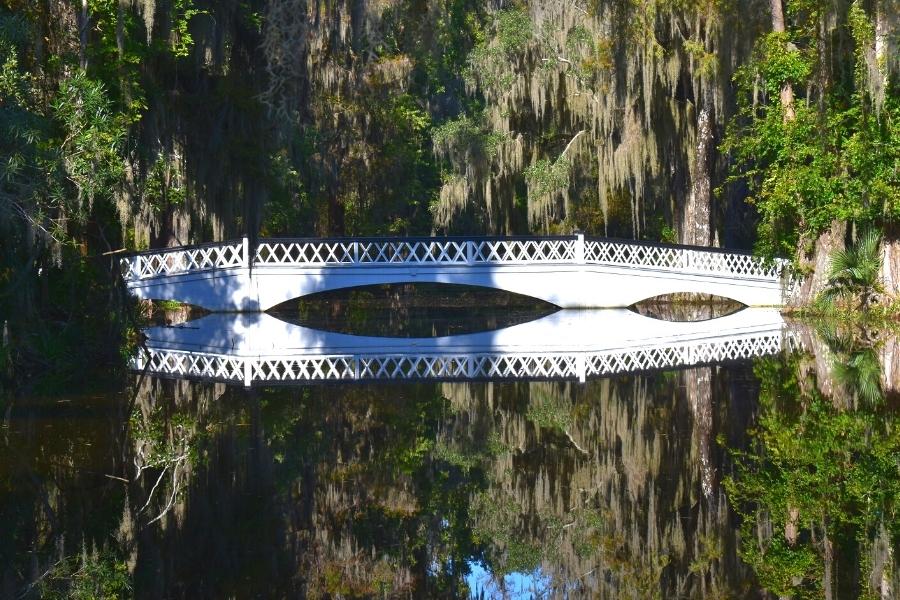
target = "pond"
x: 730, y: 467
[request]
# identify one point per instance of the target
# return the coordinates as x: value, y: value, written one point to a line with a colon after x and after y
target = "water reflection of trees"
x: 612, y: 488
x: 818, y: 489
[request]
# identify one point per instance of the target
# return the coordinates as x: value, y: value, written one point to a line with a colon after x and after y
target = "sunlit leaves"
x: 854, y: 271
x: 93, y: 136
x: 514, y: 29
x: 834, y: 160
x: 545, y: 177
x: 466, y: 136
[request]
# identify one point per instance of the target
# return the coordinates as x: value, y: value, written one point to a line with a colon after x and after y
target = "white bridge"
x: 258, y: 348
x: 568, y: 271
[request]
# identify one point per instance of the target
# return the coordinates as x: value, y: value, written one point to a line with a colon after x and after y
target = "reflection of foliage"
x: 166, y: 446
x: 497, y: 522
x: 545, y: 410
x: 835, y: 469
x: 854, y: 365
x: 94, y: 576
x: 403, y: 499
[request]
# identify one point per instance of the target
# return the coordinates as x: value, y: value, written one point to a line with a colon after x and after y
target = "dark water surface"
x: 722, y: 481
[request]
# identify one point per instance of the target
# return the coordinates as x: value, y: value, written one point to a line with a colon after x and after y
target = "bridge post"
x: 248, y: 369
x: 579, y: 249
x: 470, y: 252
x: 245, y: 243
x: 581, y: 364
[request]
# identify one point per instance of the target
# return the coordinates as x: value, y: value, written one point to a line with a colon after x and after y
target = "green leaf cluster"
x: 831, y: 155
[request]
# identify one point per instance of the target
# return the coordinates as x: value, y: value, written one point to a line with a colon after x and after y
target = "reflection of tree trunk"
x: 787, y: 90
x: 889, y: 360
x: 882, y: 562
x: 698, y: 385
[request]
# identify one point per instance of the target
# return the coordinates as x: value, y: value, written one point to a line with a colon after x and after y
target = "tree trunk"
x: 83, y: 28
x: 889, y: 273
x: 787, y: 90
x: 887, y: 26
x: 696, y: 228
x: 816, y: 280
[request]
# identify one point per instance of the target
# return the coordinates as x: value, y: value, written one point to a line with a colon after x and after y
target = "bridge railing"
x: 221, y: 255
x: 450, y: 251
x: 476, y: 366
x: 681, y: 258
x: 416, y: 251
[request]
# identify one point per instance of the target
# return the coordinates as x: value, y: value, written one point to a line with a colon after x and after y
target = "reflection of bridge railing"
x: 565, y: 345
x: 449, y: 251
x: 373, y: 367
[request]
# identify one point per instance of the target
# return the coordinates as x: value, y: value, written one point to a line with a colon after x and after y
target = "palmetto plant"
x: 853, y: 272
x: 854, y: 363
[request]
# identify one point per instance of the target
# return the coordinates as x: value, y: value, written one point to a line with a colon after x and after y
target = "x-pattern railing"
x: 171, y: 262
x: 450, y: 251
x: 480, y: 366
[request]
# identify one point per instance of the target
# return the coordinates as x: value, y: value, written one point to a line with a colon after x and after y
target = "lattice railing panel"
x: 172, y: 262
x: 485, y: 366
x: 305, y: 253
x: 681, y: 259
x: 524, y: 251
x: 452, y: 251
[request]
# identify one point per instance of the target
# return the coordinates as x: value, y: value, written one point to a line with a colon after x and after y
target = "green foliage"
x: 496, y: 522
x: 182, y: 13
x: 853, y: 272
x: 706, y: 62
x: 833, y: 160
x: 93, y: 135
x: 467, y: 136
x: 855, y: 365
x: 514, y: 29
x: 546, y: 177
x: 491, y: 61
x: 778, y: 62
x: 547, y: 413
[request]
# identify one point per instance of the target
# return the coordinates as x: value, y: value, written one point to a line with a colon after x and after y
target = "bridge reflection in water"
x: 257, y: 348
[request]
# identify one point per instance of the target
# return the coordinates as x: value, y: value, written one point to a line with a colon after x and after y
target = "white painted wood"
x: 569, y: 272
x: 576, y: 345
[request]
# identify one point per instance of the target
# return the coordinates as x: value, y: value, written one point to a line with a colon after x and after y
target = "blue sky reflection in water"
x: 515, y: 586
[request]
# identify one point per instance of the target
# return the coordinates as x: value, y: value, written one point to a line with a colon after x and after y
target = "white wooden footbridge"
x: 568, y: 271
x: 257, y: 348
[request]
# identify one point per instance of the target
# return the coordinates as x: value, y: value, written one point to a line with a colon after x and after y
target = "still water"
x: 773, y: 474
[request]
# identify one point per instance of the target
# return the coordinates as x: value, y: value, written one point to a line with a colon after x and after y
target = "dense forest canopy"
x: 129, y: 124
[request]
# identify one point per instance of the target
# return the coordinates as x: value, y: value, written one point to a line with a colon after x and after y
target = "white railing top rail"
x: 576, y: 249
